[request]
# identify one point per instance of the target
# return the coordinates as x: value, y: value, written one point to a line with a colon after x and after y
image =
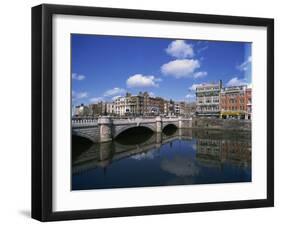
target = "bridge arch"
x: 173, y: 124
x: 84, y: 135
x: 119, y: 130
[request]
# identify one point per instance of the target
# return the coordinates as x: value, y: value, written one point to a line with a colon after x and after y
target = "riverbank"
x: 224, y: 124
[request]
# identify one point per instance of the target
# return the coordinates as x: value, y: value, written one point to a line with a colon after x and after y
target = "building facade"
x: 97, y: 109
x: 141, y: 104
x: 190, y: 109
x: 129, y: 105
x: 122, y: 106
x: 169, y: 107
x: 155, y: 106
x: 236, y: 102
x: 177, y: 108
x: 208, y: 99
x: 249, y: 102
x: 81, y: 111
x: 180, y: 108
x: 110, y: 108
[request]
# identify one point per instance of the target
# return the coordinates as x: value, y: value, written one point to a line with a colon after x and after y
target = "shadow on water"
x: 134, y: 136
x: 79, y: 145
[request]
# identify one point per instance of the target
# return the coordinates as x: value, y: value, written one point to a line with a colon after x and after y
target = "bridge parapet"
x: 164, y: 119
x: 133, y: 120
x: 173, y: 119
x: 77, y: 123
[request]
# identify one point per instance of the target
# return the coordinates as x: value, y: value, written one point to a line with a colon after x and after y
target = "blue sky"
x: 105, y: 67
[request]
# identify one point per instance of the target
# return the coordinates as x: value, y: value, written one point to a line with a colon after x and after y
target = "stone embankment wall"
x: 216, y: 123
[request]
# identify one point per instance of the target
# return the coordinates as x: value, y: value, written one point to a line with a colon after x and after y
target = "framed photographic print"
x: 146, y: 112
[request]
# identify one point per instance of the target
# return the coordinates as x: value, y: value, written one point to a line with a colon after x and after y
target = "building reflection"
x: 215, y: 152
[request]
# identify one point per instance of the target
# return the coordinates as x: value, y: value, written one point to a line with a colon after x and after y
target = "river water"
x: 140, y: 158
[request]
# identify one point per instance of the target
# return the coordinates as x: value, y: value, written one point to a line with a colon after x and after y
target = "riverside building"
x: 208, y: 99
x: 236, y: 102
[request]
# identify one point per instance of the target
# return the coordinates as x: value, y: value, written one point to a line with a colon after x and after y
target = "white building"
x: 121, y: 106
x: 110, y: 108
x: 81, y: 110
x: 208, y: 99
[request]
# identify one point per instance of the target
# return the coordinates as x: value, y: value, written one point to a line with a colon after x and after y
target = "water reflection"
x: 180, y: 166
x: 174, y: 157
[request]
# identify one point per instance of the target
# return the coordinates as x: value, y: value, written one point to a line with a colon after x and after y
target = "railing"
x: 170, y: 119
x: 205, y: 103
x: 84, y: 122
x: 134, y: 120
x: 94, y: 121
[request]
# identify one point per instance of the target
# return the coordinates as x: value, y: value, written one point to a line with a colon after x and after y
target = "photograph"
x: 152, y: 112
x: 142, y: 112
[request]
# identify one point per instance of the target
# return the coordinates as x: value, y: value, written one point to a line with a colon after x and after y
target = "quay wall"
x: 217, y: 123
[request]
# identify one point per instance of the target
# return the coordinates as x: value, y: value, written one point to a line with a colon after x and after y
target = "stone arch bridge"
x: 106, y: 129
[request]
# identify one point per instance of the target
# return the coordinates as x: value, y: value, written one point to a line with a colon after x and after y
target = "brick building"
x: 236, y: 102
x: 140, y: 104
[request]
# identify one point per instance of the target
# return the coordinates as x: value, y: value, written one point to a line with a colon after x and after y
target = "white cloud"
x: 180, y: 49
x: 115, y: 97
x: 141, y: 156
x: 180, y: 166
x: 96, y: 99
x: 235, y: 81
x: 78, y: 77
x: 151, y: 94
x: 200, y: 74
x: 245, y: 65
x: 180, y: 68
x: 190, y: 96
x: 113, y: 92
x: 194, y: 86
x: 139, y: 80
x: 79, y: 95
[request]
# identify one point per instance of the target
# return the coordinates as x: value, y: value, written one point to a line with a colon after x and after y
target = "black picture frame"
x: 42, y: 111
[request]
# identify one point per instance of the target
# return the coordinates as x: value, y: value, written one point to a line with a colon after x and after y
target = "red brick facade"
x: 236, y: 102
